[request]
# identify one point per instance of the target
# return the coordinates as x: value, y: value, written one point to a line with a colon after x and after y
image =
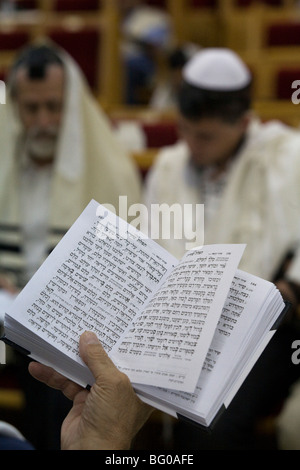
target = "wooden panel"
x: 77, y: 43
x: 12, y: 399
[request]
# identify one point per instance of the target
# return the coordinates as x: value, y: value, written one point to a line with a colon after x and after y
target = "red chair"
x: 284, y: 34
x: 75, y: 5
x: 273, y: 3
x: 247, y: 3
x: 160, y: 134
x: 157, y: 133
x: 13, y: 40
x: 157, y: 3
x: 84, y: 46
x: 237, y: 3
x: 203, y: 3
x: 3, y: 74
x: 285, y: 78
x: 26, y: 4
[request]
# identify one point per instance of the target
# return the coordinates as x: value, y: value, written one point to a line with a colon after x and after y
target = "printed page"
x: 250, y: 311
x: 99, y: 277
x: 241, y: 313
x: 169, y: 341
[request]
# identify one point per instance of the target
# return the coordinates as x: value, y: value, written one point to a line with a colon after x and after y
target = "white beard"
x: 42, y: 144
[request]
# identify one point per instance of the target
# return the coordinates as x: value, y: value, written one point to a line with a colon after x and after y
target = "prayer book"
x: 186, y: 332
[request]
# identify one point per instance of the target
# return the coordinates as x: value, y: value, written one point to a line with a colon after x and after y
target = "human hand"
x: 109, y: 415
x: 7, y: 285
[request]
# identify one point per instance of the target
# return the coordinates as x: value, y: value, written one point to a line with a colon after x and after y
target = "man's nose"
x: 43, y: 118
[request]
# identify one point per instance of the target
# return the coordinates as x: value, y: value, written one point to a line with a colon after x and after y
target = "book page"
x: 98, y: 278
x: 168, y: 343
x: 101, y: 277
x: 241, y: 312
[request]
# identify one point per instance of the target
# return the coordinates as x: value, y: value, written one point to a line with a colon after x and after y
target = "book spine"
x: 281, y: 316
x: 15, y: 346
x: 206, y: 429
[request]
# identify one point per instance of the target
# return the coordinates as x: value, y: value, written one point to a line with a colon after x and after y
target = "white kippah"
x: 218, y: 70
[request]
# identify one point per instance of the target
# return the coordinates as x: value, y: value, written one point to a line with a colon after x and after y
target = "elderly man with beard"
x: 58, y: 152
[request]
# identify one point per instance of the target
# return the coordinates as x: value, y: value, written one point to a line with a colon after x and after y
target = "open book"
x: 185, y: 332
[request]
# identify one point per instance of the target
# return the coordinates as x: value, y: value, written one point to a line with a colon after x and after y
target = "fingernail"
x: 90, y: 338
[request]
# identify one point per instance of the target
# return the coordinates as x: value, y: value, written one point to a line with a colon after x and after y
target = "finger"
x: 53, y: 379
x: 7, y: 285
x: 94, y: 355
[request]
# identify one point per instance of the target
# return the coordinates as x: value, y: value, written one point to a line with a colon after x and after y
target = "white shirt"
x: 35, y: 189
x: 259, y: 205
x: 212, y: 189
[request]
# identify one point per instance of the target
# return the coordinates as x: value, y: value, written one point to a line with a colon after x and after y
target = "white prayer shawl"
x: 260, y: 205
x: 90, y: 163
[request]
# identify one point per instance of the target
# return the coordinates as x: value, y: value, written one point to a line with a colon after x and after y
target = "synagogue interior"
x: 264, y: 33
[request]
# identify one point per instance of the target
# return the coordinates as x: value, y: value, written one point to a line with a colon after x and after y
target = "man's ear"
x: 245, y: 120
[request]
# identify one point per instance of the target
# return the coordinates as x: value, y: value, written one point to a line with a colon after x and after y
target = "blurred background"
x: 266, y: 33
x: 105, y: 40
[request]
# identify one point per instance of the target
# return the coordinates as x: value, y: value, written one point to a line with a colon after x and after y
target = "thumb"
x: 94, y: 355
